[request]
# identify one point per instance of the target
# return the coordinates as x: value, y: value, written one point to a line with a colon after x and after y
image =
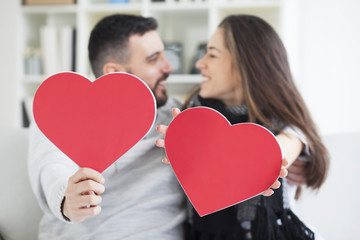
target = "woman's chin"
x: 204, y: 94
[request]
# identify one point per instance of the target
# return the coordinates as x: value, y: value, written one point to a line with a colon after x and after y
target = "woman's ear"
x: 110, y: 67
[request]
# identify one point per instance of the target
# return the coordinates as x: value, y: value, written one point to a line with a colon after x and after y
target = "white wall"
x: 334, y: 210
x: 8, y: 65
x: 329, y: 80
x: 329, y: 63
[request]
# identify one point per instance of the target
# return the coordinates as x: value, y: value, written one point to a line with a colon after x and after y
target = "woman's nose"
x: 200, y: 63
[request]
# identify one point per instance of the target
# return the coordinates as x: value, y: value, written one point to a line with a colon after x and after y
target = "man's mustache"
x: 163, y: 78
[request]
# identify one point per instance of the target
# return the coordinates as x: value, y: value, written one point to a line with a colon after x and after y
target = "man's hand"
x: 296, y: 173
x: 82, y: 195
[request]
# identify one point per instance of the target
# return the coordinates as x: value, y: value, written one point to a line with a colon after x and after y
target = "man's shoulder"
x: 172, y: 102
x: 164, y: 113
x: 175, y: 101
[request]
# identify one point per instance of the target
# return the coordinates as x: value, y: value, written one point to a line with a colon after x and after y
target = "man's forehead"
x: 146, y: 44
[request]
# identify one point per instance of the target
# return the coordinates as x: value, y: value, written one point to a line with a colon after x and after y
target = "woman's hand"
x: 162, y: 129
x: 268, y: 192
x: 283, y: 172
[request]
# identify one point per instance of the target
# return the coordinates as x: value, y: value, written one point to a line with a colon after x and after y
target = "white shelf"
x: 33, y: 79
x: 173, y: 79
x: 186, y: 22
x: 114, y: 7
x: 246, y: 4
x: 49, y: 9
x: 179, y: 6
x: 184, y: 79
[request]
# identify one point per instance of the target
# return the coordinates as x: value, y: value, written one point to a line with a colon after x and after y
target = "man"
x: 143, y: 199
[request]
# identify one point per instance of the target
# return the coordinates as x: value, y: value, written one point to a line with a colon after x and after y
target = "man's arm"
x: 50, y: 172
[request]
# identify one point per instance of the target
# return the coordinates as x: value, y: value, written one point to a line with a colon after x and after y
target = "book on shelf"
x: 58, y: 47
x: 67, y: 48
x: 48, y: 2
x: 27, y: 111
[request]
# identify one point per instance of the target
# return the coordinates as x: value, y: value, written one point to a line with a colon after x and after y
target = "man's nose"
x: 166, y: 65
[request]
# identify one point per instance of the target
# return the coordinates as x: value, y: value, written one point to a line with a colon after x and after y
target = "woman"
x: 247, y: 78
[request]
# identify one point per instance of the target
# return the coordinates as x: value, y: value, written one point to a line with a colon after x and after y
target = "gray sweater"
x: 142, y: 198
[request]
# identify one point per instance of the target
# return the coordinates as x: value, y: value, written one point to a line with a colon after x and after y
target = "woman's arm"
x: 291, y: 146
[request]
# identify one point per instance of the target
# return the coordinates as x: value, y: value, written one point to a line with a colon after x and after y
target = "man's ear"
x: 110, y: 67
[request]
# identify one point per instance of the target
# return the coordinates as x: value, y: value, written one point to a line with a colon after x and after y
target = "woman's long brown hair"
x: 269, y: 90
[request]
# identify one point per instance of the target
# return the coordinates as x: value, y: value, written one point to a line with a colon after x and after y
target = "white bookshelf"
x: 189, y: 22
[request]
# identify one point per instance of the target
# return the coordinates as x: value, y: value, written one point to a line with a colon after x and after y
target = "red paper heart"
x: 94, y: 123
x: 219, y: 165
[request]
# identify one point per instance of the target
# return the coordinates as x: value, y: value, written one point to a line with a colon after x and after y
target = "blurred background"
x: 322, y: 38
x: 42, y: 37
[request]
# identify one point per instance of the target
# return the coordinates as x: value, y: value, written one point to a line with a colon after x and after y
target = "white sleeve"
x: 305, y: 154
x: 49, y: 170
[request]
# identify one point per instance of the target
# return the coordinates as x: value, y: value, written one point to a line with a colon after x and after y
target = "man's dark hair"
x: 109, y: 39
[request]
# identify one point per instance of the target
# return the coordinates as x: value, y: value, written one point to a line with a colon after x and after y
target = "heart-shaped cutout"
x: 219, y: 164
x: 94, y: 123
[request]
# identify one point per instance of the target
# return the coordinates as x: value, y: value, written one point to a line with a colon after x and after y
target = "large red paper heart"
x: 94, y: 123
x: 219, y: 164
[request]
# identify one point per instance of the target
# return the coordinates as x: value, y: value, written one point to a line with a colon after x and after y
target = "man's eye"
x: 153, y: 59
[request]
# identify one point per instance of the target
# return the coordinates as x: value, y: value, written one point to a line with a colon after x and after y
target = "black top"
x: 257, y: 218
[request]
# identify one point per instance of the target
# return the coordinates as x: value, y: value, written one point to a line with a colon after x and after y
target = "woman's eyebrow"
x: 214, y: 48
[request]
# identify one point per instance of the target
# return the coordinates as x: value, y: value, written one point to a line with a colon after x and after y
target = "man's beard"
x: 162, y: 99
